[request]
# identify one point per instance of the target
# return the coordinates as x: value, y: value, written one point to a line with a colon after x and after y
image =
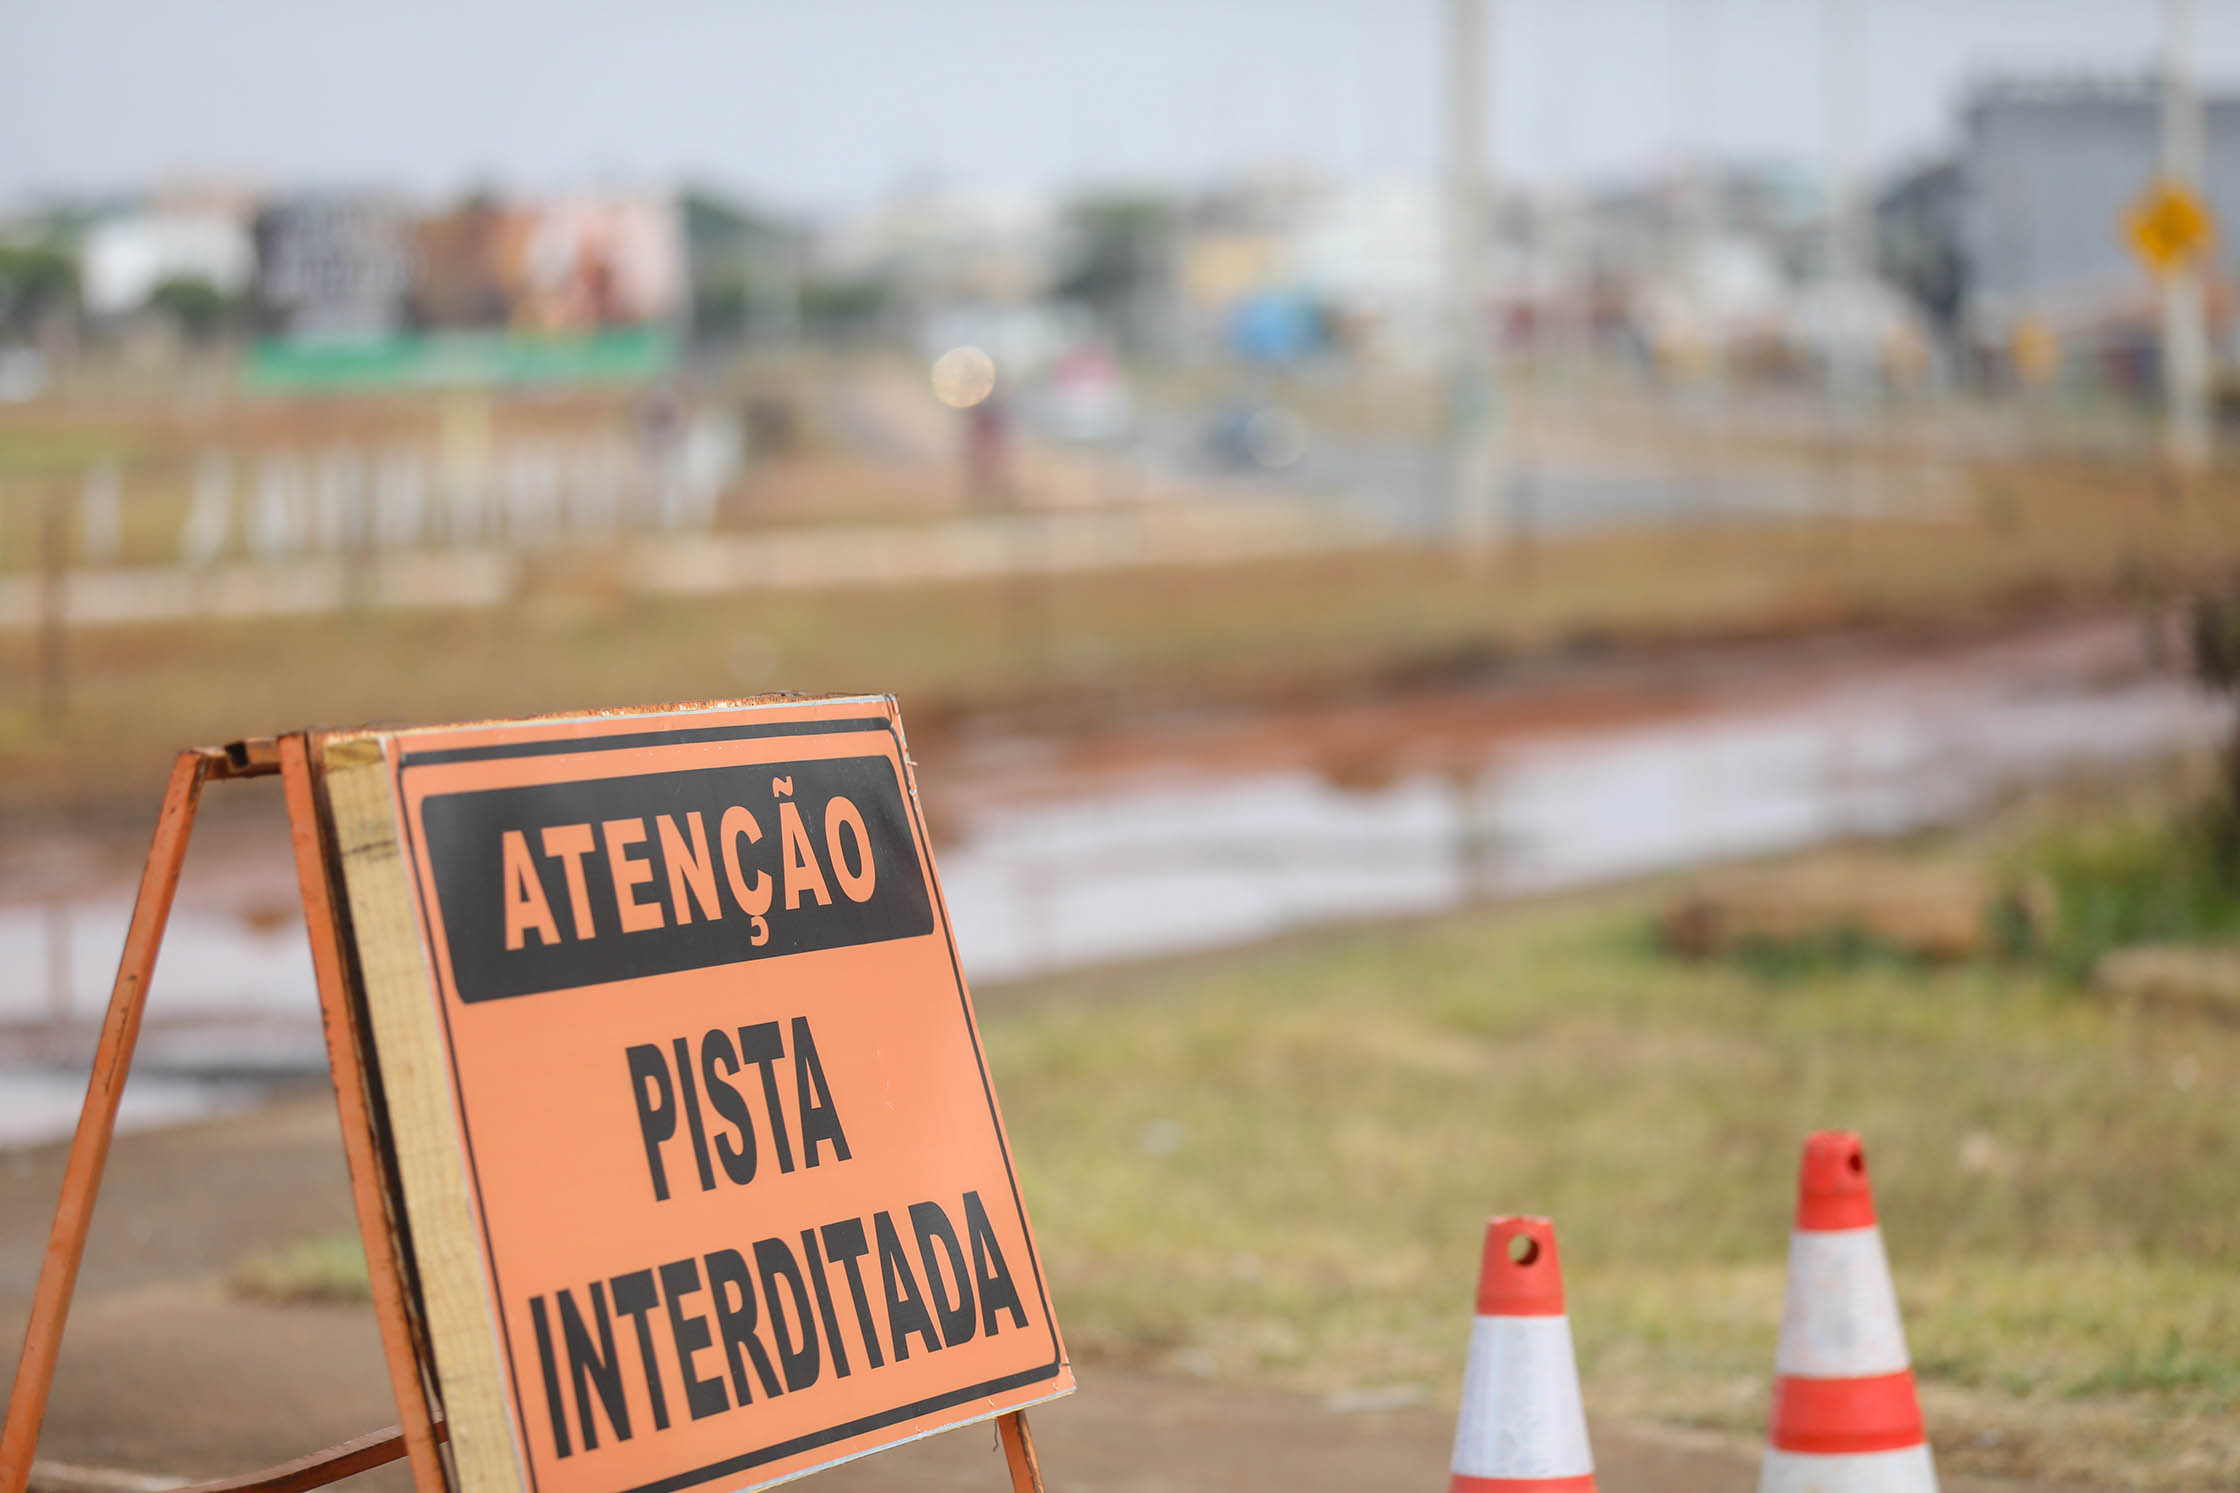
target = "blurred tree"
x: 200, y: 309
x: 844, y: 306
x: 1919, y: 243
x: 721, y: 301
x: 37, y: 281
x: 1116, y: 260
x: 744, y: 269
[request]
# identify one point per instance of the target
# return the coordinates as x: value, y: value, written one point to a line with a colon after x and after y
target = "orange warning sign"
x: 739, y: 1191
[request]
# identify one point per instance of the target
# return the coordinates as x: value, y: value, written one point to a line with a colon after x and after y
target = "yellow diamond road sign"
x: 2169, y: 226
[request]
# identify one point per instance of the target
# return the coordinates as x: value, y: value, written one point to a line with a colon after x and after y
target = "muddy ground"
x: 164, y: 1370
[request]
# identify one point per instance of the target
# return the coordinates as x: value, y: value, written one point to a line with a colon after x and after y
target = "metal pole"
x: 2185, y: 343
x: 97, y: 1123
x: 1847, y: 259
x: 1697, y: 223
x: 417, y: 1432
x: 1018, y: 1452
x: 1473, y: 450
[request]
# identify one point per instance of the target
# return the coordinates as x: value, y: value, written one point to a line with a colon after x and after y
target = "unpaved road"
x: 163, y: 1371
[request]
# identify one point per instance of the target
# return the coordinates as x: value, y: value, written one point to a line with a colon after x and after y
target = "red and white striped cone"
x: 1845, y: 1415
x: 1522, y: 1428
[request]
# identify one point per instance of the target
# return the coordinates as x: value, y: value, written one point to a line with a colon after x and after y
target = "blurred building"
x: 1286, y: 265
x: 332, y: 267
x: 461, y: 274
x: 1920, y: 224
x: 362, y: 289
x: 589, y: 261
x: 357, y: 292
x: 2047, y: 171
x: 124, y: 260
x: 939, y: 246
x: 1233, y: 252
x: 1373, y: 258
x: 743, y: 271
x: 1684, y: 270
x: 1666, y: 272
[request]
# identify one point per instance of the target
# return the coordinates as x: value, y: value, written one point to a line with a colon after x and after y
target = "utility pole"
x: 1696, y: 222
x: 2185, y: 340
x: 1842, y: 90
x: 1473, y: 453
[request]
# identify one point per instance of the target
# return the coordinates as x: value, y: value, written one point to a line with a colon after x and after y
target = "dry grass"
x: 322, y: 1269
x: 1275, y: 1166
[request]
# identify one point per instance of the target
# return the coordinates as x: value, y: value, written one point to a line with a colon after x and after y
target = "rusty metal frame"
x: 97, y: 1121
x: 1018, y: 1452
x: 420, y: 1424
x: 421, y: 1429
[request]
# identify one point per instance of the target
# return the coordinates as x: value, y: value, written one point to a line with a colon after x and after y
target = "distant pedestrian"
x: 987, y: 454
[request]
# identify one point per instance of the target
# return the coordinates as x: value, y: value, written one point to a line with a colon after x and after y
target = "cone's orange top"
x: 1832, y: 1188
x: 1521, y: 1275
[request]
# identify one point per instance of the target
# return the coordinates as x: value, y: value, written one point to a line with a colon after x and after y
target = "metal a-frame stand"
x: 420, y: 1430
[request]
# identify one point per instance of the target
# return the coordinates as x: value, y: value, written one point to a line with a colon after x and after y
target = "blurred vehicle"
x: 1277, y: 326
x: 1255, y: 435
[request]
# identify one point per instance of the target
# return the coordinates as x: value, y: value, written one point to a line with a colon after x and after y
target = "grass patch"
x: 1841, y: 950
x: 2172, y: 1367
x: 1276, y: 1166
x: 2168, y: 877
x: 326, y: 1268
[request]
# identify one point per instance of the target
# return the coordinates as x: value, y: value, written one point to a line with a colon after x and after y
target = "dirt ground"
x: 164, y: 1371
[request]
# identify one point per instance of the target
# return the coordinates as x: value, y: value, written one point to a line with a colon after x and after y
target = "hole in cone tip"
x: 1523, y: 1249
x: 1856, y: 1162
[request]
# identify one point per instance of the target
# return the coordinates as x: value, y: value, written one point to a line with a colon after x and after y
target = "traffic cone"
x: 1522, y: 1429
x: 1845, y: 1416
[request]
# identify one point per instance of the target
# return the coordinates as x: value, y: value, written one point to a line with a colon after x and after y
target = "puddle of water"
x: 60, y: 958
x: 39, y: 1104
x: 1158, y: 864
x: 232, y: 1005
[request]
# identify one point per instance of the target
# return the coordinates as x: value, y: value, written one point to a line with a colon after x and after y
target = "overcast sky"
x: 829, y: 104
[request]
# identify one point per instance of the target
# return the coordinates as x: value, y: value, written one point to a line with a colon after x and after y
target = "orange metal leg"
x: 368, y: 1189
x: 97, y: 1122
x: 374, y: 1449
x: 1018, y: 1451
